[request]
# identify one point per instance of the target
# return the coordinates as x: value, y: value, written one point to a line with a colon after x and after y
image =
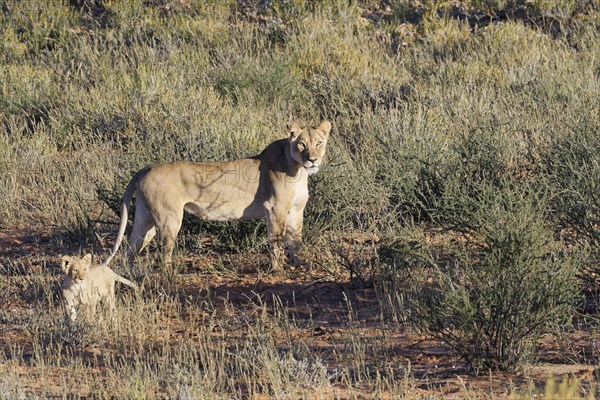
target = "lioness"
x: 272, y: 185
x: 87, y: 284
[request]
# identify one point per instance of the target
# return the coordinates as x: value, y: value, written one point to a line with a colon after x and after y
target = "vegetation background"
x: 462, y: 191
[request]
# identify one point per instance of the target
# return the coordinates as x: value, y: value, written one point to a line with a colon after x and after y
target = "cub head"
x: 307, y: 146
x: 76, y: 267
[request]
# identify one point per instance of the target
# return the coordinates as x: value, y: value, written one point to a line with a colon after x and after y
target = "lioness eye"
x: 319, y: 144
x: 301, y: 145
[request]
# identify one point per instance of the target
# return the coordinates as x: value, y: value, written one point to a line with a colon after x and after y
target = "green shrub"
x: 413, y: 163
x: 436, y: 180
x: 490, y: 295
x: 571, y: 167
x: 481, y: 163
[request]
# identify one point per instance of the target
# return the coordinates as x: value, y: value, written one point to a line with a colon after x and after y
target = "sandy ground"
x: 325, y: 309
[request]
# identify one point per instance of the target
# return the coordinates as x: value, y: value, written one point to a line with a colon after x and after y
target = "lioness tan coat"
x: 272, y: 185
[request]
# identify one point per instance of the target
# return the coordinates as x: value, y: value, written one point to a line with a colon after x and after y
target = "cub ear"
x: 66, y: 263
x: 293, y: 130
x: 87, y: 259
x: 325, y: 127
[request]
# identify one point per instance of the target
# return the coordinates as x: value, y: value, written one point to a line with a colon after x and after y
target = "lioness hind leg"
x: 142, y: 232
x: 168, y: 230
x: 139, y: 242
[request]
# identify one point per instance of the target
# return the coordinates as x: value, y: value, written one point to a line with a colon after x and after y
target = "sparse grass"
x: 565, y: 389
x: 218, y: 352
x: 432, y: 103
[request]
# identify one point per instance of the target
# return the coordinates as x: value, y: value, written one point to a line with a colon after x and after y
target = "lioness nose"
x: 312, y: 160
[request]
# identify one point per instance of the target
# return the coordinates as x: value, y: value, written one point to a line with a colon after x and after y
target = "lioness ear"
x: 66, y: 260
x: 293, y: 130
x: 325, y: 127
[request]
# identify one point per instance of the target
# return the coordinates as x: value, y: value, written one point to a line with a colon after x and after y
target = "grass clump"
x: 567, y: 388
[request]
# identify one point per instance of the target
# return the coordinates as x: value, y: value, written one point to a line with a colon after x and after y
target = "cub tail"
x: 127, y: 282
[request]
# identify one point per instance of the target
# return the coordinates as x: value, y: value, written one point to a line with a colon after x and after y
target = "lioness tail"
x: 127, y: 197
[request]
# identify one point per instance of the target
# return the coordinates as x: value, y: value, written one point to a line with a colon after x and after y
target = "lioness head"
x: 307, y: 146
x: 76, y: 267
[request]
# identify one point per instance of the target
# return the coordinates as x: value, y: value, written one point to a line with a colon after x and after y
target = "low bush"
x: 571, y: 167
x: 490, y: 293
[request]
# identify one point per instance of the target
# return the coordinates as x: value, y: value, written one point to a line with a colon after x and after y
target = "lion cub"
x: 87, y: 284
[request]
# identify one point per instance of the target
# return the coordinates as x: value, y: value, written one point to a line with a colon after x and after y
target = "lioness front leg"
x: 275, y: 234
x: 293, y: 234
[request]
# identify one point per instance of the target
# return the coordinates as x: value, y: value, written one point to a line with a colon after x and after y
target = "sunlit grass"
x: 417, y: 95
